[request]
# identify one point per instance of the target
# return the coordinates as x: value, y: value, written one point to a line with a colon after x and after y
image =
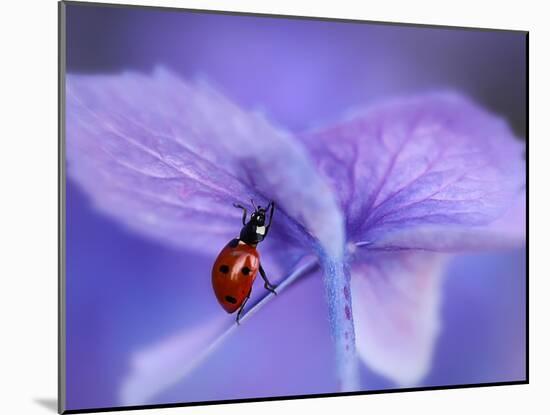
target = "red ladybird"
x: 236, y: 266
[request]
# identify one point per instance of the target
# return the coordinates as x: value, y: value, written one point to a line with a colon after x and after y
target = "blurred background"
x: 125, y: 292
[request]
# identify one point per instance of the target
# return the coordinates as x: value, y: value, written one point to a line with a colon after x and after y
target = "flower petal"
x: 167, y: 158
x: 160, y: 366
x: 508, y: 231
x: 396, y: 308
x: 437, y: 162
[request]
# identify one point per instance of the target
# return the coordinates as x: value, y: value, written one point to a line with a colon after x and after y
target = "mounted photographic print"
x: 264, y: 207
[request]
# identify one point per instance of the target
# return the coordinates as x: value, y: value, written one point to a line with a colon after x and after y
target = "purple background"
x: 125, y: 292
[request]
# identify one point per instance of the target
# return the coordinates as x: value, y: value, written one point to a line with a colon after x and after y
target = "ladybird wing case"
x: 233, y: 274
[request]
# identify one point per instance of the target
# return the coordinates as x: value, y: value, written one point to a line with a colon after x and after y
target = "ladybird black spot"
x: 224, y: 269
x: 230, y: 299
x: 245, y: 270
x: 233, y: 243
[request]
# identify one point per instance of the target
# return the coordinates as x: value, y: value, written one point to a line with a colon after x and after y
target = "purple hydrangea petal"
x: 508, y: 231
x: 437, y: 162
x: 396, y: 300
x: 167, y: 158
x: 161, y: 365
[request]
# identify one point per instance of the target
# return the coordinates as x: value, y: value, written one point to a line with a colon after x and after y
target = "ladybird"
x: 236, y: 266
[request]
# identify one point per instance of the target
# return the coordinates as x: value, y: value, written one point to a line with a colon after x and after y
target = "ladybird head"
x: 258, y: 216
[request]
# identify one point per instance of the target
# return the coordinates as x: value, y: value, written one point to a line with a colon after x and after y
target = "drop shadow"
x: 48, y: 403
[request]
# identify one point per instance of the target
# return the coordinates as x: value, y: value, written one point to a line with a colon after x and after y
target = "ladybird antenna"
x: 253, y: 204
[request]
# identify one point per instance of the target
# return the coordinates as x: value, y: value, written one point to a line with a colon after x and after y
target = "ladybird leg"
x: 272, y: 204
x: 242, y: 308
x: 268, y: 286
x: 244, y: 211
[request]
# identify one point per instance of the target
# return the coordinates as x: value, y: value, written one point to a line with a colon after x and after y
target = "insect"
x: 236, y: 266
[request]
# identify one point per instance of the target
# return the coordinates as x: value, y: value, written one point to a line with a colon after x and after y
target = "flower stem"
x: 337, y: 286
